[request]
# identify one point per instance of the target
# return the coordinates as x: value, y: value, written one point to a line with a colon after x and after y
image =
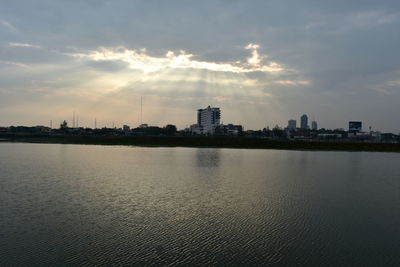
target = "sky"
x: 262, y: 62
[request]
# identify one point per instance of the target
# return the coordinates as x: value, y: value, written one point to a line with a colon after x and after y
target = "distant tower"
x: 314, y: 126
x: 292, y: 125
x: 304, y: 122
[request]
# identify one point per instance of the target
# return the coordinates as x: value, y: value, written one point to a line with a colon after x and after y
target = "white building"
x: 207, y: 120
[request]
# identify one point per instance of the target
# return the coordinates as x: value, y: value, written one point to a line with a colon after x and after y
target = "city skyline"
x: 97, y: 124
x: 207, y: 118
x: 261, y: 63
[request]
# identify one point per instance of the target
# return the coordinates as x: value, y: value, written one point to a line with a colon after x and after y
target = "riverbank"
x: 198, y: 141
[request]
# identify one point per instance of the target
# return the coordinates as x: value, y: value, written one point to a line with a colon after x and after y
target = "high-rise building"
x: 304, y: 122
x: 314, y: 126
x: 208, y: 119
x: 292, y: 125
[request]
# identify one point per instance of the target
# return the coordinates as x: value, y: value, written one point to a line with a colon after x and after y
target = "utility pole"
x: 141, y: 110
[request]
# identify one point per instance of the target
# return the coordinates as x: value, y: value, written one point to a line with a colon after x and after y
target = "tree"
x: 278, y: 132
x: 64, y: 125
x: 170, y: 129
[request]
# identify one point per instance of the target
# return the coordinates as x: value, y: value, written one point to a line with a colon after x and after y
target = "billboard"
x: 355, y: 126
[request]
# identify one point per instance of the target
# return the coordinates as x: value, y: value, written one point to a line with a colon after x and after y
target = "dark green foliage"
x: 64, y: 125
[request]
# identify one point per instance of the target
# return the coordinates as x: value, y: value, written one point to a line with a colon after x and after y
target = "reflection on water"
x: 99, y: 205
x: 208, y: 158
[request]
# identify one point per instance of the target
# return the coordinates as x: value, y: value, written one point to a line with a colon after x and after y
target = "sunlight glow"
x: 142, y: 61
x: 23, y: 45
x: 255, y: 59
x: 290, y: 82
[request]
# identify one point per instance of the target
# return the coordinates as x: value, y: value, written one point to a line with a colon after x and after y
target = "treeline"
x: 202, y: 141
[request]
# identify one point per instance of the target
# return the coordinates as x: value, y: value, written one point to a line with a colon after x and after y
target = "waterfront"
x: 88, y: 205
x: 206, y: 141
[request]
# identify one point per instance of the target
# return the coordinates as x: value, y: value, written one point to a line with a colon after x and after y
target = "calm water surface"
x: 98, y: 205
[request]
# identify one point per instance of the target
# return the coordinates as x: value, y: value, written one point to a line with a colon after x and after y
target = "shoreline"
x: 204, y: 142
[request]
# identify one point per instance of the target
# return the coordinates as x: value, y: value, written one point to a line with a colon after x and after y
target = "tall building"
x: 314, y: 126
x: 208, y: 119
x: 304, y: 122
x: 292, y: 125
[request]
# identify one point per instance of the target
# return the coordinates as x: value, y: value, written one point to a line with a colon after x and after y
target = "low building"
x: 196, y: 129
x: 355, y: 126
x: 229, y: 129
x: 330, y: 136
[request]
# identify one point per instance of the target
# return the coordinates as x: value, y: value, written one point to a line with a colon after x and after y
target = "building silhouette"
x: 292, y: 125
x: 304, y: 122
x: 355, y: 126
x: 314, y: 125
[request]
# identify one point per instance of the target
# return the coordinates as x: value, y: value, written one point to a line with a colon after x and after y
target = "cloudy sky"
x: 262, y: 62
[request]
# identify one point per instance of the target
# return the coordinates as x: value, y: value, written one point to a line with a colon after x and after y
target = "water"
x: 98, y: 205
